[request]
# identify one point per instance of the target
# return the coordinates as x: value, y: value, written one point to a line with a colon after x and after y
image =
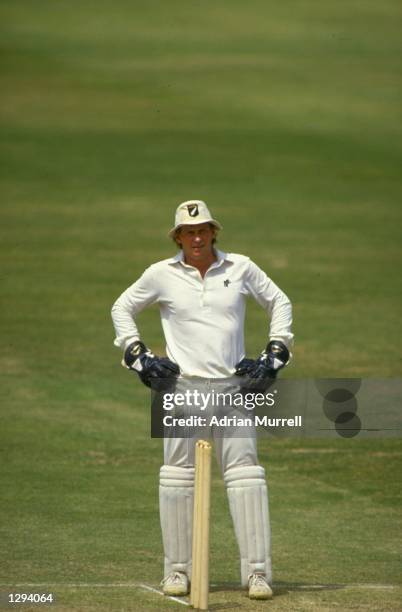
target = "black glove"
x: 155, y: 372
x: 244, y: 366
x: 265, y: 367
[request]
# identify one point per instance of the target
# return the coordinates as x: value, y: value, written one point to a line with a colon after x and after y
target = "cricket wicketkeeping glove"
x: 265, y: 367
x: 155, y: 372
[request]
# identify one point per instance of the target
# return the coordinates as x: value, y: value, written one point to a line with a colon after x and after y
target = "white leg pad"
x: 176, y: 494
x: 248, y: 501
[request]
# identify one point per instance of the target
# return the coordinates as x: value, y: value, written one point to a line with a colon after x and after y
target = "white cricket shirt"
x: 203, y: 318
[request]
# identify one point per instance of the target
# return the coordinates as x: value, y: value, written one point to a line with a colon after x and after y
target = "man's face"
x: 196, y: 240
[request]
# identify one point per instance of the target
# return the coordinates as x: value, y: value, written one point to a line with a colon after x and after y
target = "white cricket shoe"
x: 258, y: 587
x: 175, y: 584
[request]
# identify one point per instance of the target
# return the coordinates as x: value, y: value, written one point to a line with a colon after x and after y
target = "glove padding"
x: 266, y: 367
x: 243, y: 367
x: 155, y: 372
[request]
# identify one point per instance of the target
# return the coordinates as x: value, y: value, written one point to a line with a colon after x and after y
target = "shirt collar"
x: 221, y: 257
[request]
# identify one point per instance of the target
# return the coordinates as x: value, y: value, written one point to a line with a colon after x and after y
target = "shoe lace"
x: 258, y: 580
x: 173, y: 578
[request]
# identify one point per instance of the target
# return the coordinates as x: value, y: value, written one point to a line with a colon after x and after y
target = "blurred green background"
x: 286, y: 119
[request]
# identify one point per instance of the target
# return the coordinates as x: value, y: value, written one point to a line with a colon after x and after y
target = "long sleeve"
x: 274, y: 301
x: 134, y: 299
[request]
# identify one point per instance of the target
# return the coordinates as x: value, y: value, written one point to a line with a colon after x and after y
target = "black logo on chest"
x: 226, y: 282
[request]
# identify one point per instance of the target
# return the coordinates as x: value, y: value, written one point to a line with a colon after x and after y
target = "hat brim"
x: 212, y: 221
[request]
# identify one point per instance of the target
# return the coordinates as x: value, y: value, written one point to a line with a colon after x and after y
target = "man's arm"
x: 141, y: 294
x: 276, y: 354
x: 274, y: 301
x: 137, y: 357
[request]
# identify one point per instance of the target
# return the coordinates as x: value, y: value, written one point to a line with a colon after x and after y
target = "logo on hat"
x: 193, y: 210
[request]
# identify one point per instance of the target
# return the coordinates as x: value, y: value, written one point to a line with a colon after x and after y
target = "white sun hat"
x: 192, y: 212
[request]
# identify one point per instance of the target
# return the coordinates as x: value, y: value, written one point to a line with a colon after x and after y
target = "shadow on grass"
x: 279, y: 588
x: 282, y: 588
x: 224, y: 606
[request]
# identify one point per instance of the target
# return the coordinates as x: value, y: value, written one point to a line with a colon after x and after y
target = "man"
x: 201, y: 294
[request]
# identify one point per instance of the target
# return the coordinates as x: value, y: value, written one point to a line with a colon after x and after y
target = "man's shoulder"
x: 238, y: 258
x: 243, y: 262
x: 157, y: 266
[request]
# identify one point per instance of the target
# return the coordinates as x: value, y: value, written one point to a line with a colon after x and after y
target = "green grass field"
x: 286, y: 118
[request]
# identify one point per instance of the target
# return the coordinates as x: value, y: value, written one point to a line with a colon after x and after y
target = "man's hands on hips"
x: 155, y: 372
x: 266, y: 367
